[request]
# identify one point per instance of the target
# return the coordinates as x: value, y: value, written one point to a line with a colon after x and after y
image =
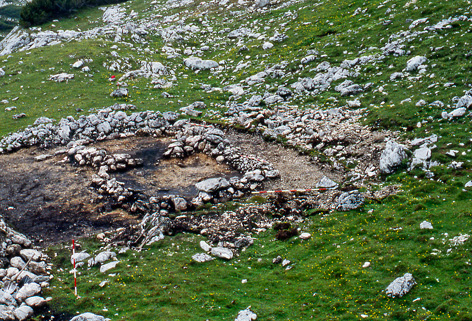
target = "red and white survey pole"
x: 293, y: 190
x: 75, y: 270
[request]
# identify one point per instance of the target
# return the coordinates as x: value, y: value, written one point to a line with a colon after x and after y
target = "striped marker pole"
x: 75, y: 270
x: 293, y: 191
x: 201, y: 125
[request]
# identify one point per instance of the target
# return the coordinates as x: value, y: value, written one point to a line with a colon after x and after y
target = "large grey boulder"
x: 246, y: 315
x: 391, y: 157
x: 401, y: 286
x: 196, y: 63
x: 212, y: 184
x: 88, y: 317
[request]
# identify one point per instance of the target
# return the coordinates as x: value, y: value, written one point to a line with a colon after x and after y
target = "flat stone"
x: 204, y: 246
x: 401, y: 286
x: 305, y: 236
x: 246, y: 315
x: 23, y: 312
x: 35, y: 301
x: 222, y: 253
x: 108, y: 266
x: 425, y: 225
x: 212, y: 184
x: 326, y: 182
x: 88, y: 317
x: 28, y: 290
x: 202, y: 257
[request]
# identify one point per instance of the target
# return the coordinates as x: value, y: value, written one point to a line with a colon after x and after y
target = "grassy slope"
x: 162, y: 283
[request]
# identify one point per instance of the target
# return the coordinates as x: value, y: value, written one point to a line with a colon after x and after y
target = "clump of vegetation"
x: 38, y: 12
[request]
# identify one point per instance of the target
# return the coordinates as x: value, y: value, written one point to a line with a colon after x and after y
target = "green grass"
x: 327, y: 277
x: 162, y: 282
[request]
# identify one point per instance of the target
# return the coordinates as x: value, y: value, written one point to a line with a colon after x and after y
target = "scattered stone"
x: 246, y: 315
x: 202, y: 257
x: 425, y: 225
x: 468, y: 184
x: 365, y: 265
x: 23, y: 312
x: 350, y: 201
x: 285, y: 262
x: 326, y: 182
x: 196, y: 63
x: 18, y: 116
x: 108, y: 266
x: 414, y: 63
x: 120, y: 93
x: 400, y: 286
x: 277, y: 260
x: 391, y: 157
x: 204, y: 246
x: 61, y: 77
x: 88, y: 317
x: 212, y: 184
x: 222, y: 253
x: 305, y: 236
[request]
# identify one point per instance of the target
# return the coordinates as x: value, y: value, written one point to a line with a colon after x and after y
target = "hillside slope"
x: 337, y: 80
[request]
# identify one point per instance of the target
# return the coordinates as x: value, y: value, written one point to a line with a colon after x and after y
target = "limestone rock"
x: 415, y: 62
x: 326, y: 182
x: 350, y: 201
x: 119, y: 93
x: 305, y: 236
x: 101, y: 258
x: 23, y: 312
x: 6, y: 298
x: 391, y: 157
x: 202, y: 257
x: 425, y: 225
x: 222, y: 253
x: 36, y: 301
x: 246, y: 315
x: 88, y: 317
x: 61, y: 77
x: 212, y: 184
x: 401, y: 286
x: 28, y: 290
x: 204, y: 246
x: 196, y: 63
x: 108, y: 266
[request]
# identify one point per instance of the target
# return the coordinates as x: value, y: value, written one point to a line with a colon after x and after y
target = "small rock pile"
x: 336, y: 133
x: 23, y: 274
x: 105, y: 124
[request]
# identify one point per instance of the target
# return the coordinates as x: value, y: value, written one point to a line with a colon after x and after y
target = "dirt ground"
x: 52, y: 201
x: 296, y: 171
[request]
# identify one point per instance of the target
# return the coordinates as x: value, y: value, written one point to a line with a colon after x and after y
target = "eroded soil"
x: 52, y: 201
